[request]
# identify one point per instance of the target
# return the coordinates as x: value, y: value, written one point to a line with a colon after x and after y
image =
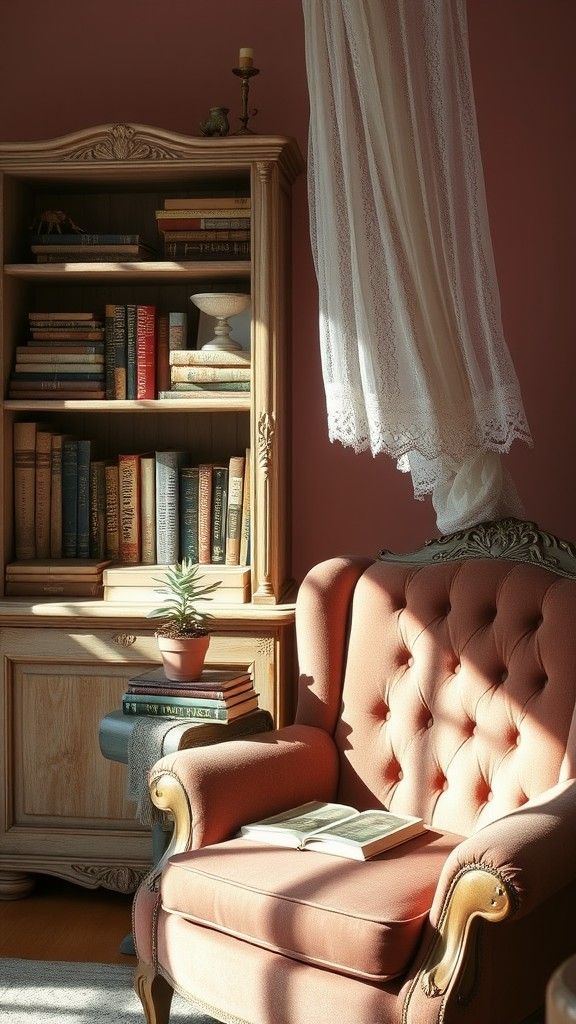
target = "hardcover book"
x: 168, y: 464
x: 148, y: 508
x: 234, y: 511
x: 335, y: 829
x: 43, y: 482
x: 24, y: 472
x: 219, y: 512
x: 56, y: 496
x: 210, y: 357
x: 112, y: 510
x: 129, y: 507
x: 97, y: 509
x: 145, y: 351
x: 205, y: 514
x: 70, y: 498
x: 208, y: 202
x: 176, y: 707
x: 83, y: 516
x: 211, y: 678
x: 189, y: 496
x: 209, y: 374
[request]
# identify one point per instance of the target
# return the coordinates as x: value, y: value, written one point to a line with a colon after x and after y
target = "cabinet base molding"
x: 123, y: 878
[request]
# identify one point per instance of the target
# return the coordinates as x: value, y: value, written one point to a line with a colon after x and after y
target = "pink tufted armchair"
x: 442, y: 684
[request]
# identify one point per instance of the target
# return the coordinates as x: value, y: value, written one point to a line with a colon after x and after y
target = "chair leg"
x: 154, y: 992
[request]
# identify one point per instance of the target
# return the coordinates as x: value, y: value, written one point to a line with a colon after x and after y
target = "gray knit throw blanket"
x: 145, y: 747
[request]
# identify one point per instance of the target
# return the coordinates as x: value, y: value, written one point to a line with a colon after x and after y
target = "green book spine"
x: 167, y: 707
x: 189, y: 484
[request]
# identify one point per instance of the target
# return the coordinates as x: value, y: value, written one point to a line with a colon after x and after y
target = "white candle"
x: 246, y: 59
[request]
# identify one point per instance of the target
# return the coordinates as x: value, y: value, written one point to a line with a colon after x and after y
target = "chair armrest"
x: 518, y: 845
x: 494, y: 874
x: 211, y: 791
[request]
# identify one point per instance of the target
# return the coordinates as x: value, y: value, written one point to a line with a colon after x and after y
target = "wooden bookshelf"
x: 63, y: 808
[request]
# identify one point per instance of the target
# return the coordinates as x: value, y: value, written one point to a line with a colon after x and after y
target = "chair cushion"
x: 361, y: 919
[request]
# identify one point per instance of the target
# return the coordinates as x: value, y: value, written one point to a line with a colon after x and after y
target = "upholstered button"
x: 489, y: 796
x: 387, y: 716
x: 538, y: 622
x: 429, y: 723
x: 448, y: 609
x: 504, y: 675
x: 457, y: 668
x: 445, y: 785
x: 400, y: 775
x: 543, y: 682
x: 517, y: 739
x: 409, y: 661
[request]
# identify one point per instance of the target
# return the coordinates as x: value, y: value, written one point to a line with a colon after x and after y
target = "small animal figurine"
x: 54, y: 220
x: 217, y: 122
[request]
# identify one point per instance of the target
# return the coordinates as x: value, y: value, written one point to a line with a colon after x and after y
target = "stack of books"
x: 142, y: 584
x: 218, y: 696
x: 68, y: 577
x: 97, y: 248
x: 62, y: 358
x: 206, y: 228
x: 208, y: 373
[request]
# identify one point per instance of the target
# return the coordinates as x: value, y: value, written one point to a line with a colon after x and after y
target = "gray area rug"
x: 41, y: 992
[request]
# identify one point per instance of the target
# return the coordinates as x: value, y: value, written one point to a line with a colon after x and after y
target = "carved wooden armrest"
x: 168, y: 794
x: 477, y: 891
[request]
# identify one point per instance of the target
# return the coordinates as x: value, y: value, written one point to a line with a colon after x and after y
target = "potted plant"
x: 184, y: 635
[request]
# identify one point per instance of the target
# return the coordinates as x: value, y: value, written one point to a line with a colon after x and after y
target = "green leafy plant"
x: 180, y: 614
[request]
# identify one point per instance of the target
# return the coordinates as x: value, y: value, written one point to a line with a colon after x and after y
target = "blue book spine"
x: 70, y: 498
x: 168, y: 466
x: 83, y: 537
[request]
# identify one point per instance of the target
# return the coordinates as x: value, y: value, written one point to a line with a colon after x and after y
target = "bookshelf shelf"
x: 158, y: 270
x: 69, y: 660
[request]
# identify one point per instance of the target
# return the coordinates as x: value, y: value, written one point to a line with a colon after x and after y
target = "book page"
x: 300, y: 821
x: 366, y: 826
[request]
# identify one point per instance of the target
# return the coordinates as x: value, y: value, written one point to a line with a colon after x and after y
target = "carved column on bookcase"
x: 263, y: 427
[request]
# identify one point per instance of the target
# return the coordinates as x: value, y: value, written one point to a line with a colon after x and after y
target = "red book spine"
x: 146, y: 352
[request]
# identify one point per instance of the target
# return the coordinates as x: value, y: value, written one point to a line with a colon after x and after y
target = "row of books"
x: 56, y: 578
x: 130, y: 352
x: 78, y: 247
x: 218, y: 696
x: 203, y: 229
x: 153, y: 507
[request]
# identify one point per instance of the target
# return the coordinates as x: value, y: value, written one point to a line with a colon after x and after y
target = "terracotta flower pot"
x: 183, y: 657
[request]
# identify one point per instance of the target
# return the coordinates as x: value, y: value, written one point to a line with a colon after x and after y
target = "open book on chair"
x: 335, y: 829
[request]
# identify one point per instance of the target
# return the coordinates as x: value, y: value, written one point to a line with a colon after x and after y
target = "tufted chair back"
x: 452, y: 696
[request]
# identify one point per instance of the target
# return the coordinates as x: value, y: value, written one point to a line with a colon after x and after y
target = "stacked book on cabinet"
x: 151, y: 508
x: 63, y: 357
x: 205, y: 228
x: 210, y: 373
x: 57, y: 247
x: 218, y: 695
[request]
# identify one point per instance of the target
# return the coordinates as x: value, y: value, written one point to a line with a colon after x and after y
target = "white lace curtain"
x: 414, y: 359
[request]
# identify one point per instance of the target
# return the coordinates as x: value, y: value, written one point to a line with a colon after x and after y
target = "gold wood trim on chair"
x: 476, y: 892
x: 169, y: 796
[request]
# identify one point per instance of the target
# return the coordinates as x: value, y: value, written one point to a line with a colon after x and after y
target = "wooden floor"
x: 61, y: 921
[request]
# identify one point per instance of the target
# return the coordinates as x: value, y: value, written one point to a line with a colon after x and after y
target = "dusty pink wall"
x: 66, y: 65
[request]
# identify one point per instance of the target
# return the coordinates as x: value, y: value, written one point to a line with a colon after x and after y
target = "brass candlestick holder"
x: 246, y: 74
